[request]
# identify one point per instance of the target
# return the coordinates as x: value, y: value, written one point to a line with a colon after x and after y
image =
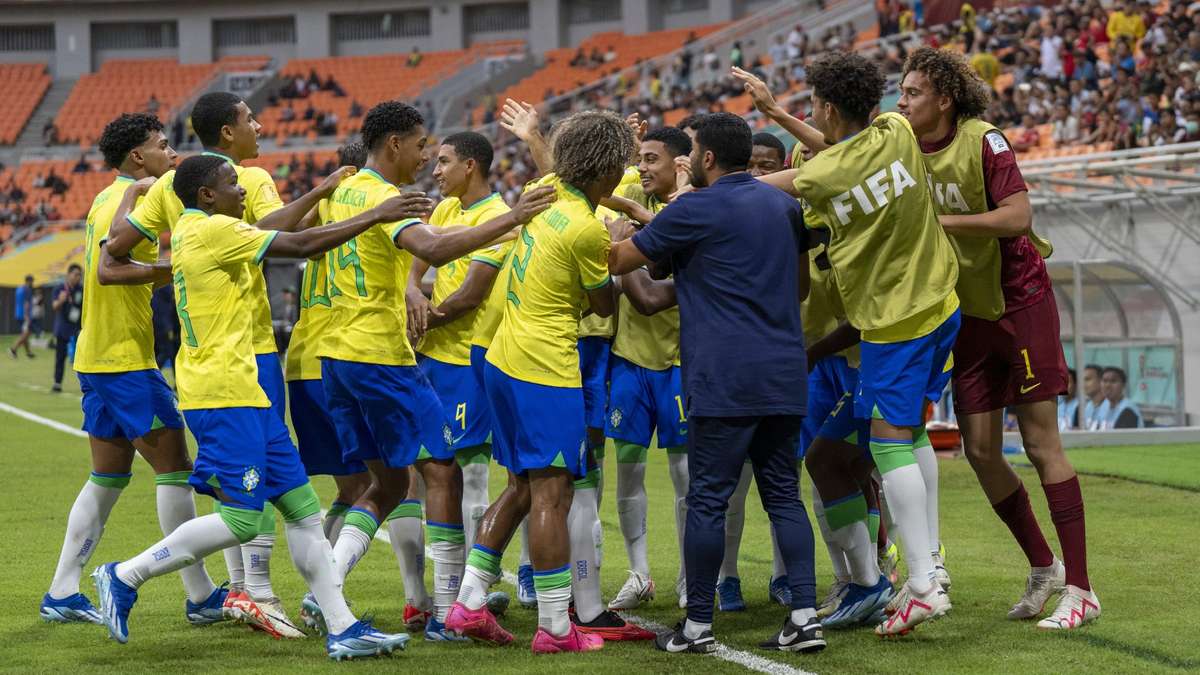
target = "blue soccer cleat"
x: 209, y: 611
x: 526, y: 595
x: 497, y: 602
x: 71, y: 609
x: 361, y: 639
x: 436, y: 631
x: 311, y: 615
x: 779, y: 591
x: 116, y: 600
x: 729, y: 595
x: 860, y: 604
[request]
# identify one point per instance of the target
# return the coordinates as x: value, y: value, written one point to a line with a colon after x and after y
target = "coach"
x: 735, y: 248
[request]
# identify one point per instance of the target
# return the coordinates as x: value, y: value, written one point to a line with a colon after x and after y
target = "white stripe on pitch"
x: 46, y: 422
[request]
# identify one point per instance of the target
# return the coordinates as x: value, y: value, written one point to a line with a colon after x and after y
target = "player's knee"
x: 244, y: 523
x: 297, y: 503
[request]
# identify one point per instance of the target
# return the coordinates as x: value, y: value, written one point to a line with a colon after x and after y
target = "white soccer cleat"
x: 269, y: 617
x: 833, y: 599
x: 638, y: 589
x: 913, y: 610
x: 1043, y: 583
x: 1075, y: 608
x: 940, y: 575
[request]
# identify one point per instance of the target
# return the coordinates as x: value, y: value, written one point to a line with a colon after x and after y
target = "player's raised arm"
x: 521, y: 119
x: 766, y: 104
x: 313, y: 241
x: 438, y: 246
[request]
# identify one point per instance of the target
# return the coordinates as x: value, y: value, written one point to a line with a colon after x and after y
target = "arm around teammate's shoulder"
x: 438, y: 246
x: 316, y: 240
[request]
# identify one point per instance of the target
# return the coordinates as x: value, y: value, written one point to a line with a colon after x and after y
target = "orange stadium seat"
x: 23, y: 85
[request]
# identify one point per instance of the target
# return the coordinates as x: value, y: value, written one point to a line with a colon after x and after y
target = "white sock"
x: 408, y: 543
x: 905, y: 490
x: 778, y: 569
x: 190, y: 542
x: 585, y: 573
x: 677, y: 467
x: 256, y: 556
x: 448, y: 561
x: 235, y: 567
x: 85, y: 524
x: 802, y: 616
x: 352, y: 545
x: 313, y: 558
x: 475, y: 499
x: 632, y: 505
x: 176, y: 506
x: 735, y: 523
x: 481, y: 572
x: 692, y: 630
x: 332, y: 524
x: 552, y: 608
x: 927, y: 460
x: 525, y: 559
x: 862, y: 555
x: 841, y: 568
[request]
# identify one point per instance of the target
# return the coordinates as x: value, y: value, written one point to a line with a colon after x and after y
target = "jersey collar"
x: 197, y: 212
x: 214, y: 153
x: 494, y: 195
x: 577, y: 193
x: 375, y: 174
x: 124, y: 178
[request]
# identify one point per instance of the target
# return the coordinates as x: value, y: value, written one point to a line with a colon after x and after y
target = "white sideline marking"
x: 46, y: 422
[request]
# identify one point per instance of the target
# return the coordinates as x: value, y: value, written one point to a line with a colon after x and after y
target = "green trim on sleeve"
x: 401, y: 226
x: 487, y: 261
x: 141, y: 228
x: 602, y: 284
x: 262, y: 250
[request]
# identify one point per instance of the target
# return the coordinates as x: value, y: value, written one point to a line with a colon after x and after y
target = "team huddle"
x: 554, y: 325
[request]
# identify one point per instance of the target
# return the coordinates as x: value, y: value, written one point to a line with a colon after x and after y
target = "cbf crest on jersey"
x: 449, y: 437
x: 250, y: 478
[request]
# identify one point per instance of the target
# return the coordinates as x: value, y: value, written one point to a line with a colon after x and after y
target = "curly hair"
x: 125, y: 133
x: 951, y: 75
x: 353, y: 153
x: 848, y: 80
x: 389, y: 117
x: 590, y: 146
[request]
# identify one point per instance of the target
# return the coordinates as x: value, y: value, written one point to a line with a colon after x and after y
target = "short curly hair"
x: 389, y: 117
x: 849, y: 81
x: 590, y: 146
x: 125, y: 133
x: 951, y: 75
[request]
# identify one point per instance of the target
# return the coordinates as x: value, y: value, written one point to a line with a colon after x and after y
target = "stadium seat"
x: 23, y: 85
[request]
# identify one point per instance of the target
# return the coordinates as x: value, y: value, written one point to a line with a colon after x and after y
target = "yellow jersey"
x: 606, y: 326
x: 213, y: 264
x: 161, y: 208
x: 116, y: 332
x: 367, y: 279
x: 488, y: 315
x: 311, y: 326
x: 451, y: 342
x: 559, y: 256
x: 648, y: 341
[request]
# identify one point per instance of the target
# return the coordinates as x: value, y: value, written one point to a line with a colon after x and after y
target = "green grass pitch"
x: 1140, y: 502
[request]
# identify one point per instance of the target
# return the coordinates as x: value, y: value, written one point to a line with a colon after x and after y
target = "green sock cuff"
x: 486, y: 561
x: 677, y: 450
x: 452, y: 534
x: 295, y: 504
x: 176, y: 478
x: 630, y: 453
x: 362, y: 520
x: 873, y: 526
x: 920, y: 437
x: 337, y: 509
x: 590, y: 481
x: 846, y: 511
x: 409, y: 508
x: 242, y: 522
x: 116, y: 481
x: 892, y: 454
x: 552, y: 579
x: 476, y: 454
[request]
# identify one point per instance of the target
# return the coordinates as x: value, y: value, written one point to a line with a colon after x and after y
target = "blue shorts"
x: 897, y: 378
x: 830, y: 379
x: 320, y: 450
x: 246, y: 452
x: 536, y: 426
x: 478, y: 358
x: 462, y: 398
x: 641, y: 401
x: 127, y: 405
x: 270, y: 378
x: 388, y: 413
x: 593, y: 367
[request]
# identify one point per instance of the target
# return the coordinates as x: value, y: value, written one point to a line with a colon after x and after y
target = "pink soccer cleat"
x: 478, y: 624
x: 574, y: 641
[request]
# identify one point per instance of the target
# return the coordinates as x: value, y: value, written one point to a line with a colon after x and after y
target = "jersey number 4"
x: 340, y: 258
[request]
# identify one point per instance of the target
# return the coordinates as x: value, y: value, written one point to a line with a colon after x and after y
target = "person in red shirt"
x: 1008, y: 354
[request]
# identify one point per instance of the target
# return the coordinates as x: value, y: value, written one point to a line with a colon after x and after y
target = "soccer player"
x: 24, y: 315
x: 386, y: 413
x: 227, y: 128
x: 868, y: 182
x: 245, y: 453
x: 1008, y: 354
x: 557, y: 269
x: 127, y: 405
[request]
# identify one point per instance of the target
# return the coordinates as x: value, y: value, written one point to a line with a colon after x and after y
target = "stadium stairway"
x: 55, y: 97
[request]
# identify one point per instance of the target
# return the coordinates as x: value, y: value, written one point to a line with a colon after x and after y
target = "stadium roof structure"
x: 1114, y: 313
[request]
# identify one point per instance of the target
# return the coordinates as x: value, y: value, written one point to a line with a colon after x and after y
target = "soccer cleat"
x: 806, y: 639
x: 415, y: 619
x: 116, y: 599
x: 71, y: 609
x: 610, y: 626
x: 833, y: 598
x: 361, y: 639
x: 675, y: 642
x: 638, y: 588
x: 779, y: 591
x: 311, y: 615
x: 729, y: 595
x: 526, y: 595
x: 940, y: 574
x: 681, y: 591
x: 497, y: 602
x: 435, y: 631
x: 914, y: 610
x: 1043, y: 583
x: 479, y: 625
x: 231, y: 607
x: 1075, y: 608
x: 211, y: 610
x: 574, y: 641
x: 889, y: 562
x: 269, y: 617
x: 860, y: 603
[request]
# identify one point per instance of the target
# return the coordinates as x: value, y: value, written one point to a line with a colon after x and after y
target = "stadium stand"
x: 23, y: 85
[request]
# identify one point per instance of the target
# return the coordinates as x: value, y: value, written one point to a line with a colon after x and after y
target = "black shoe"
x: 673, y: 641
x: 806, y: 639
x: 12, y: 352
x: 57, y: 388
